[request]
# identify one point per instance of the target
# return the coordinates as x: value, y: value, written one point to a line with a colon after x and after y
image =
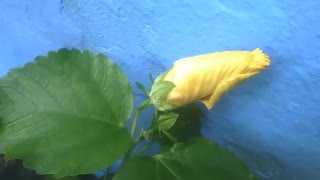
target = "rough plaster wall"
x: 271, y: 121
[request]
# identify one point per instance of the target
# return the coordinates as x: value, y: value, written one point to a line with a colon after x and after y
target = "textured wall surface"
x: 271, y: 121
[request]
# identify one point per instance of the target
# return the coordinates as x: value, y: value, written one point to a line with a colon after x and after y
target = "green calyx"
x: 159, y: 92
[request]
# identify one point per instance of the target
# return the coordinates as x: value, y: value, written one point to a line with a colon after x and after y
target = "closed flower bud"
x: 207, y: 77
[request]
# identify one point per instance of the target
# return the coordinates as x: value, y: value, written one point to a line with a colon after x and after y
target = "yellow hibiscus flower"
x: 207, y: 77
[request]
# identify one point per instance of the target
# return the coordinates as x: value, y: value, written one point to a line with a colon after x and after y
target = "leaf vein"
x: 170, y: 170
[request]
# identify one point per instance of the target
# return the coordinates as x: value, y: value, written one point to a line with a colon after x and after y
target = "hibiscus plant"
x: 67, y: 113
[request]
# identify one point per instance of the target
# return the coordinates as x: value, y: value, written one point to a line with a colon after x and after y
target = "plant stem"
x: 136, y: 142
x: 105, y: 175
x: 141, y: 107
x: 127, y: 155
x: 141, y: 135
x: 135, y: 121
x: 154, y: 118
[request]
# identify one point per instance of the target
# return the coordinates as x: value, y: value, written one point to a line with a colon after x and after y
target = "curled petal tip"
x: 260, y: 58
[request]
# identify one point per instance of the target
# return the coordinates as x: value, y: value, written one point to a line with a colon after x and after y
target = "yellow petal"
x: 206, y: 77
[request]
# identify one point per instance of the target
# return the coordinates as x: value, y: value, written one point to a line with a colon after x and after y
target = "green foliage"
x: 197, y: 158
x: 159, y: 92
x: 186, y: 126
x: 67, y: 115
x: 167, y: 120
x: 6, y: 107
x: 143, y: 89
x: 64, y: 178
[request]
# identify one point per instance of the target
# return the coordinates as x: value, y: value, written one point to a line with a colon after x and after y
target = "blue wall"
x: 271, y: 121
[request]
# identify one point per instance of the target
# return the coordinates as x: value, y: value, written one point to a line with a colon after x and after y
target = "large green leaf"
x: 196, y: 159
x: 65, y: 113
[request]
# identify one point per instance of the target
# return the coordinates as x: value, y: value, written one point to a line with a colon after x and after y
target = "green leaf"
x: 151, y: 78
x: 159, y: 92
x: 144, y: 105
x: 167, y: 120
x: 196, y: 159
x: 143, y: 89
x: 69, y: 113
x: 187, y: 125
x: 49, y: 177
x: 6, y: 107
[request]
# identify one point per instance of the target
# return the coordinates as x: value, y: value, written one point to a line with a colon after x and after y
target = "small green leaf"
x: 68, y: 113
x: 167, y: 120
x: 196, y: 159
x: 187, y: 125
x: 143, y: 89
x: 151, y: 78
x: 159, y: 92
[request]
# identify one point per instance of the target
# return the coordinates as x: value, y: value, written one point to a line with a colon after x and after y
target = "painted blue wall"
x: 271, y: 121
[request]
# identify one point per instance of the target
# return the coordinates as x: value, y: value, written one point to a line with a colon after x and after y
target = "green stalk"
x: 140, y: 108
x: 136, y: 142
x: 135, y: 122
x: 105, y: 176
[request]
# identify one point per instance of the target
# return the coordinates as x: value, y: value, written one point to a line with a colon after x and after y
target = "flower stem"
x: 105, y: 177
x: 135, y: 143
x: 135, y: 121
x: 140, y: 108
